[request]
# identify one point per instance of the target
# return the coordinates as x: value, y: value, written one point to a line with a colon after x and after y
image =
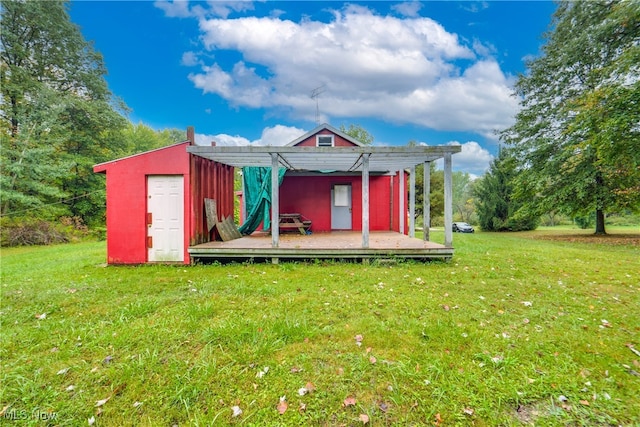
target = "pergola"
x: 364, y: 159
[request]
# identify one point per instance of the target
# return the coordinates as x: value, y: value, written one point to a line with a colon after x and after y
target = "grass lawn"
x: 518, y: 329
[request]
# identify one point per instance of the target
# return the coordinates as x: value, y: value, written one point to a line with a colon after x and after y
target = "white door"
x: 341, y: 207
x: 165, y: 218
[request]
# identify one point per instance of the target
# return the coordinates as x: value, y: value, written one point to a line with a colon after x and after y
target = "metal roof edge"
x: 102, y: 167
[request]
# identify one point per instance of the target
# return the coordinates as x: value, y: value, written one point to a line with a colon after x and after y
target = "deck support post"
x: 402, y: 199
x: 275, y: 202
x: 365, y: 200
x: 412, y: 202
x: 426, y: 200
x: 244, y: 200
x: 448, y: 202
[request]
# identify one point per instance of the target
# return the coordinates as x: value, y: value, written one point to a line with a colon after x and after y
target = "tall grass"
x: 515, y: 330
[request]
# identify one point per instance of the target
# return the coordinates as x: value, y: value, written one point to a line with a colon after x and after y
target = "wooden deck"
x: 334, y: 245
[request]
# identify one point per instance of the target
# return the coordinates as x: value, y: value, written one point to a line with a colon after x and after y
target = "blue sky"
x: 243, y: 72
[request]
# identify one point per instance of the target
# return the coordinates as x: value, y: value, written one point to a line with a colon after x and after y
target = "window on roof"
x: 324, y: 140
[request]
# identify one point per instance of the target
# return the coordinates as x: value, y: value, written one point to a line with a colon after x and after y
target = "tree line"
x: 574, y: 148
x: 58, y: 118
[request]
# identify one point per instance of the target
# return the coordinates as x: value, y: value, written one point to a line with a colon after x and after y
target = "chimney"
x: 191, y: 135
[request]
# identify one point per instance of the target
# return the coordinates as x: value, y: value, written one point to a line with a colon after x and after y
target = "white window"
x: 324, y: 140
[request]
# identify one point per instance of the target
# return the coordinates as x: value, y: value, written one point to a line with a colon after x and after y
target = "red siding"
x: 311, y: 197
x: 338, y: 141
x: 210, y: 180
x: 126, y: 200
x: 127, y: 195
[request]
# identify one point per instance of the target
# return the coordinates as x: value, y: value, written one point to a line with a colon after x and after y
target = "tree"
x: 496, y: 208
x: 436, y: 187
x: 463, y: 195
x: 58, y: 116
x: 358, y: 132
x: 140, y: 138
x: 577, y: 133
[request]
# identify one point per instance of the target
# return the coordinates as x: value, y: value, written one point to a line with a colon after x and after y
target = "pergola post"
x: 426, y: 200
x: 412, y: 202
x: 448, y: 201
x: 402, y: 197
x: 275, y: 202
x: 365, y: 200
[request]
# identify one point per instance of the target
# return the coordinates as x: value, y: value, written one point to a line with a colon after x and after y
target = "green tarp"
x: 257, y: 197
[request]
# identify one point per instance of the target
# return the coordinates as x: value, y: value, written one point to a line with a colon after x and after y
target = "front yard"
x: 519, y: 329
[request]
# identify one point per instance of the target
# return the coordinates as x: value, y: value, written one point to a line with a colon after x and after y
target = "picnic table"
x: 293, y: 221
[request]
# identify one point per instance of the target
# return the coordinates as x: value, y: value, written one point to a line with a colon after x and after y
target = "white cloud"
x: 174, y: 9
x: 279, y: 135
x: 221, y: 140
x: 276, y: 135
x: 409, y: 8
x: 184, y: 9
x: 400, y: 70
x: 474, y: 7
x: 190, y: 59
x: 473, y: 158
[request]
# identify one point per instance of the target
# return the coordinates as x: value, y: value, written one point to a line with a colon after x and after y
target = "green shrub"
x: 35, y: 231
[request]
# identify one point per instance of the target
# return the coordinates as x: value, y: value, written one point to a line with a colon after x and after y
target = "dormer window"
x: 324, y: 140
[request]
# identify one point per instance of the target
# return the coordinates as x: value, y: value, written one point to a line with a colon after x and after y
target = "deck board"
x: 334, y: 245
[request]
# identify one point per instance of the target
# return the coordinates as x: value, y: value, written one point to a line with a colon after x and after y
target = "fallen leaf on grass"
x: 283, y: 405
x: 236, y: 411
x: 372, y: 360
x: 359, y: 339
x: 383, y: 407
x: 137, y: 404
x: 364, y: 418
x: 302, y: 407
x: 91, y: 421
x: 527, y: 303
x: 70, y: 388
x: 438, y: 419
x: 63, y: 371
x: 468, y: 411
x: 585, y: 402
x: 102, y: 402
x: 41, y: 316
x: 349, y: 401
x: 445, y: 307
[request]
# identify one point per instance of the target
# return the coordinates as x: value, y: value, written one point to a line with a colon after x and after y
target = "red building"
x: 156, y: 200
x: 330, y: 199
x: 155, y: 207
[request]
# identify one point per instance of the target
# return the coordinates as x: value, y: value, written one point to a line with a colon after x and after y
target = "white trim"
x: 332, y: 137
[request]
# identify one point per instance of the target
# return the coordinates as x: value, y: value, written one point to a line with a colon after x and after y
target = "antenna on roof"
x: 314, y: 95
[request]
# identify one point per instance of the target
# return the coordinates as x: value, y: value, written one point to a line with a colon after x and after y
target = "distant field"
x: 535, y: 328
